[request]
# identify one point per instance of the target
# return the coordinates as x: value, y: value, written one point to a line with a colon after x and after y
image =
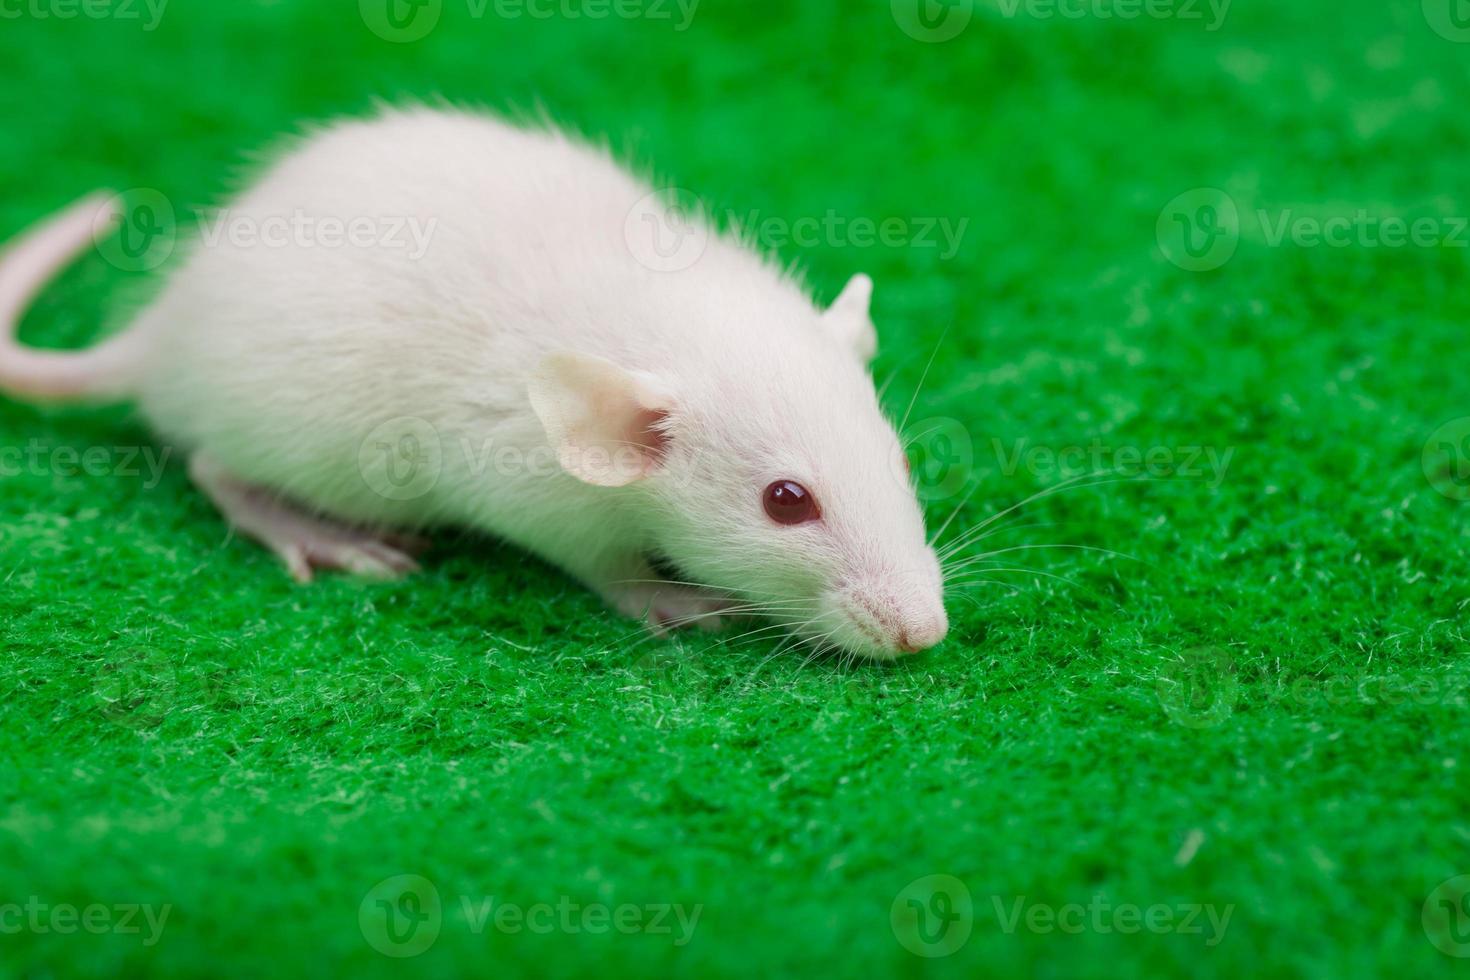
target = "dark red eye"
x: 788, y: 502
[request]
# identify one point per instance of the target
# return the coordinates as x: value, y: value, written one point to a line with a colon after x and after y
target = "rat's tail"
x: 105, y: 372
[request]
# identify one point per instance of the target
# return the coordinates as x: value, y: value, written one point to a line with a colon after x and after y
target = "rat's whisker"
x: 818, y: 647
x: 953, y: 514
x: 1004, y: 528
x: 973, y: 559
x: 909, y: 438
x: 922, y: 378
x: 781, y: 647
x: 962, y: 580
x: 972, y: 599
x: 1074, y: 483
x: 903, y: 362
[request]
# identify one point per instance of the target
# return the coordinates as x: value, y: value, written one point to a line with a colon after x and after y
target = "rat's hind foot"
x: 668, y: 605
x: 303, y: 540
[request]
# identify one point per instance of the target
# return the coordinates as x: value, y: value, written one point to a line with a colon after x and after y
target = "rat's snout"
x: 917, y: 634
x: 891, y: 617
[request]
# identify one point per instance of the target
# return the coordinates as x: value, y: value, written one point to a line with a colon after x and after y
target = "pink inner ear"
x: 649, y: 433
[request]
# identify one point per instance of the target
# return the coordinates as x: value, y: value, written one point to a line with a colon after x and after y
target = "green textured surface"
x: 181, y: 725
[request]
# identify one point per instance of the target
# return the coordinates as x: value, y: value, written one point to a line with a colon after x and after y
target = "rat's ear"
x: 848, y: 320
x: 605, y: 424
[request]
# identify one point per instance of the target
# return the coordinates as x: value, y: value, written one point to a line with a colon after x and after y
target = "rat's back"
x: 416, y: 265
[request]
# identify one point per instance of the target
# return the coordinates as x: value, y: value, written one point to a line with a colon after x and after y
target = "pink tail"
x: 105, y: 372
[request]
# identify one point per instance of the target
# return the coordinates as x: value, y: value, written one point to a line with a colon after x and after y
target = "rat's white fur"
x: 527, y: 321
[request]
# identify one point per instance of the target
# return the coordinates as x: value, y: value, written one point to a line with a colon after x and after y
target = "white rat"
x: 541, y: 372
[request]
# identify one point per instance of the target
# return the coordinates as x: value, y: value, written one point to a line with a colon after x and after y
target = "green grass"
x: 183, y: 726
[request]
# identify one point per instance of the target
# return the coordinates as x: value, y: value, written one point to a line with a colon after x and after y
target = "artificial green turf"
x: 183, y: 725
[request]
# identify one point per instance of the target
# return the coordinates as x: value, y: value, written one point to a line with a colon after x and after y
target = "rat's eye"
x: 788, y: 502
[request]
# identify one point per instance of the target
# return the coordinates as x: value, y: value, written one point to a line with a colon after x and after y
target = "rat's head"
x: 764, y: 467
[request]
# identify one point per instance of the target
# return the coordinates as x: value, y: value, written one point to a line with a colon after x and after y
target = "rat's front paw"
x: 666, y: 606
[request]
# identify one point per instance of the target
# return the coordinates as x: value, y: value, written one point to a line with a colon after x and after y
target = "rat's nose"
x: 920, y: 633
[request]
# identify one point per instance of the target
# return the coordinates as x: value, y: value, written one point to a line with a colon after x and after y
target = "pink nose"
x: 919, y: 636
